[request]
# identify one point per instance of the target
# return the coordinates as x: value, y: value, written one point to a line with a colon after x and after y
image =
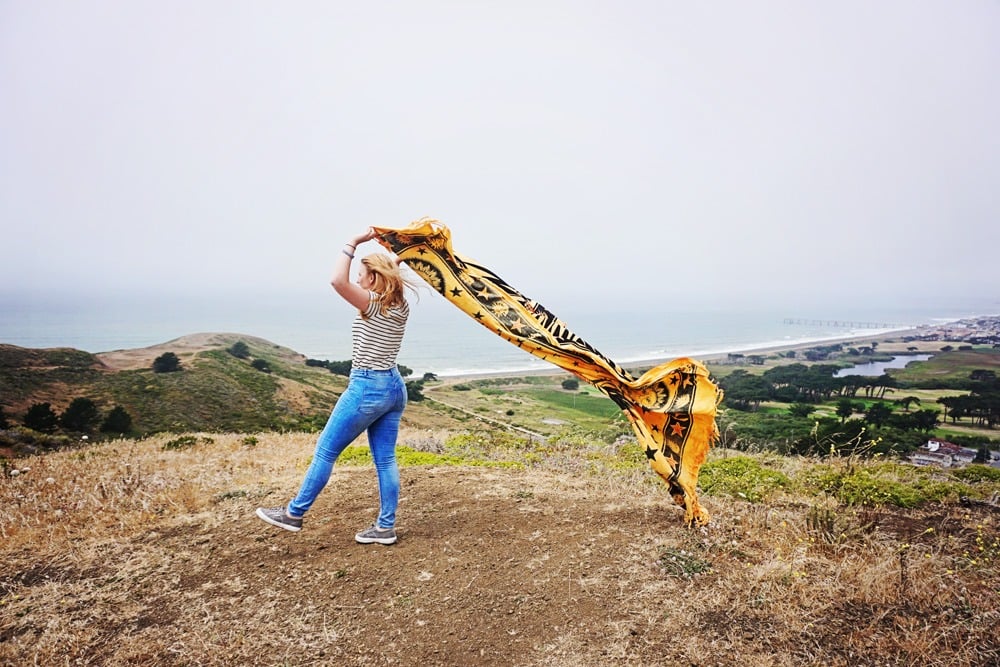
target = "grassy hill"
x: 214, y: 390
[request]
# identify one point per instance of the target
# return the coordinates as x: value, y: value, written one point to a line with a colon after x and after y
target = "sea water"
x: 441, y: 339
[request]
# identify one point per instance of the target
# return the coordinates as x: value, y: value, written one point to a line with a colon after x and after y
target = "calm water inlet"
x: 876, y: 368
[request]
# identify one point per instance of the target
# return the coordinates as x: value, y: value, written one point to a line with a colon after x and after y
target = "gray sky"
x: 716, y: 151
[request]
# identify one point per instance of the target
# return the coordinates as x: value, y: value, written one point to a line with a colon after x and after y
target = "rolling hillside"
x: 214, y: 390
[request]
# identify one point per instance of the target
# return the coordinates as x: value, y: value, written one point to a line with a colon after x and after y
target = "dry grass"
x: 131, y: 554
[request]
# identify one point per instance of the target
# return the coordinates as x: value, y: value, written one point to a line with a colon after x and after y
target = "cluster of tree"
x: 168, y: 362
x: 80, y: 416
x: 982, y: 404
x: 755, y: 359
x: 799, y: 383
x: 798, y: 433
x: 822, y: 352
x: 881, y: 426
x: 414, y: 388
x: 881, y: 414
x: 335, y: 367
x: 863, y: 350
x: 241, y: 350
x: 877, y: 414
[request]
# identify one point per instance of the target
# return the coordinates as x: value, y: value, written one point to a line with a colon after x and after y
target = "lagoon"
x: 876, y: 368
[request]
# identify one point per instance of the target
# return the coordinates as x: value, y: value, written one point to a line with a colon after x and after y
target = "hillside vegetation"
x: 213, y: 390
x: 271, y: 388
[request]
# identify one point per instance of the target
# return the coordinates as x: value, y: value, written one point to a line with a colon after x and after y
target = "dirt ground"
x: 492, y: 567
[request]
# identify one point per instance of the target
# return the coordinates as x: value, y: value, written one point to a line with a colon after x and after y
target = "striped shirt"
x: 378, y: 338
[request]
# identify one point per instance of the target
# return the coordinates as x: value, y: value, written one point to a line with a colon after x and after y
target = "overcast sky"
x: 715, y: 151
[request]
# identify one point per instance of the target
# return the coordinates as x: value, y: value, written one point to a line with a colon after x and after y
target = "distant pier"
x: 846, y: 324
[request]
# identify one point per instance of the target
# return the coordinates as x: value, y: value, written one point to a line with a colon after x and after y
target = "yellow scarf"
x: 671, y: 407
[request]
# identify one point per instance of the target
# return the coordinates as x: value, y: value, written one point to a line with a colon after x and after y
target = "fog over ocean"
x: 443, y: 340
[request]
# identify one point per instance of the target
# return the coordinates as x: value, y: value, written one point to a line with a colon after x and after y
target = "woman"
x: 375, y: 394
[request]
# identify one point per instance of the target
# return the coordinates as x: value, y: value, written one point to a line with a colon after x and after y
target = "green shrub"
x: 239, y: 349
x: 42, y: 418
x: 415, y: 390
x: 852, y: 485
x: 185, y: 441
x: 360, y: 455
x: 977, y: 473
x: 81, y: 415
x: 182, y: 442
x: 357, y: 455
x: 863, y: 488
x: 741, y: 476
x: 118, y: 420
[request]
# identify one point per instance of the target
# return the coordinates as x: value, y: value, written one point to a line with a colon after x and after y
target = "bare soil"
x: 156, y: 558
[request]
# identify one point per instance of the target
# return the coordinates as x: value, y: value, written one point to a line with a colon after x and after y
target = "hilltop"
x: 565, y: 554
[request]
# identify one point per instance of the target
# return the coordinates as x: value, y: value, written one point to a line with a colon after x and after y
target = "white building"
x: 943, y: 453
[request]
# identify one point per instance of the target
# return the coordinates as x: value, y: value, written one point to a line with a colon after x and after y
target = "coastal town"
x: 984, y: 330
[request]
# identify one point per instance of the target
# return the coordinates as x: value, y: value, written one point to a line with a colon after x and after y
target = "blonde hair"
x: 387, y: 280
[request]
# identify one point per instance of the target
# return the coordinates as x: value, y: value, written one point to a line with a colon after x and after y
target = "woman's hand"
x: 367, y: 235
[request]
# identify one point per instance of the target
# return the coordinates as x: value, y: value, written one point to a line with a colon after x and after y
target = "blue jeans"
x: 373, y: 401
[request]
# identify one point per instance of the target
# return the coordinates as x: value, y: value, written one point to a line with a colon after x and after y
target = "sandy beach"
x: 921, y: 339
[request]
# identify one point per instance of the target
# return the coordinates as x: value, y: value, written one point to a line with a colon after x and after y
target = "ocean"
x: 441, y: 339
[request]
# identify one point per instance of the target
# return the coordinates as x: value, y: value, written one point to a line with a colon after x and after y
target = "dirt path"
x: 495, y: 422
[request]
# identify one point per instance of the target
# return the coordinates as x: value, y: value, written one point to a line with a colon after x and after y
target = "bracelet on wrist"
x: 351, y: 244
x: 347, y: 253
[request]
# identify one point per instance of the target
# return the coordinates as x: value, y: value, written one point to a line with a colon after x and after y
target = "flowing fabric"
x: 671, y: 407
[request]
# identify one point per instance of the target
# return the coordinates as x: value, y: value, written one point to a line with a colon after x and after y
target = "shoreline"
x: 713, y: 357
x: 924, y: 338
x: 888, y: 342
